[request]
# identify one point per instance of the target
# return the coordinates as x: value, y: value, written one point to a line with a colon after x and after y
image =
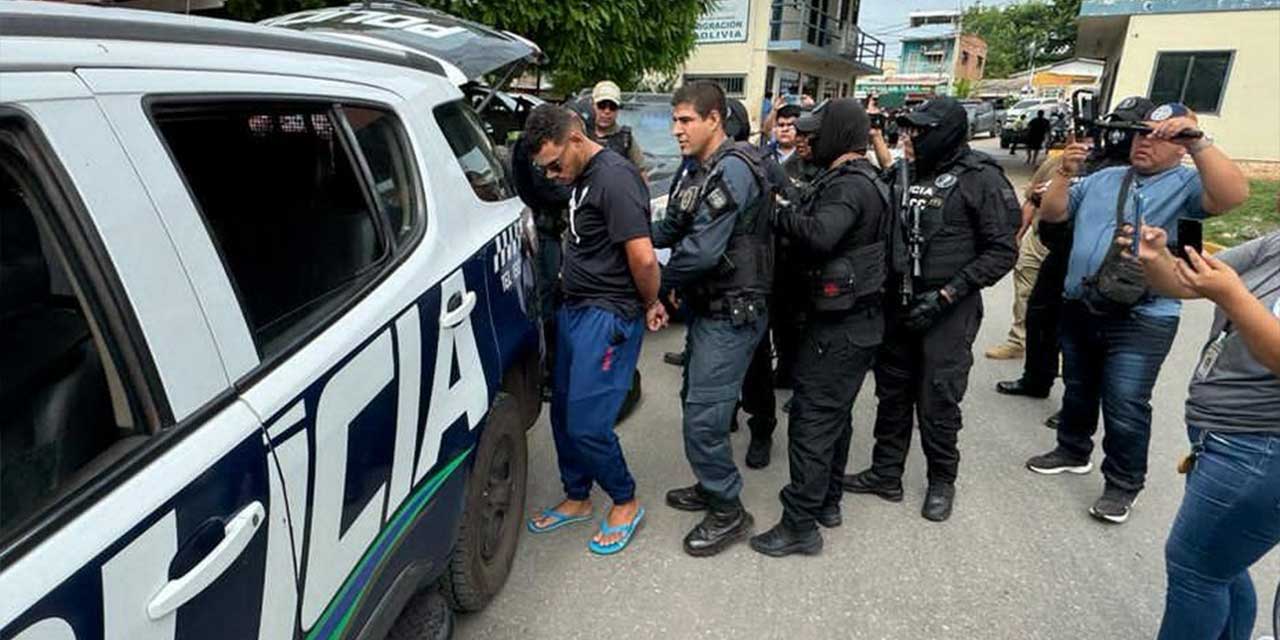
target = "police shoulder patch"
x: 719, y: 200
x: 945, y: 180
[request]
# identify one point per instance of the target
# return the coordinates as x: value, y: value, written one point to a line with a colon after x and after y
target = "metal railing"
x: 804, y: 21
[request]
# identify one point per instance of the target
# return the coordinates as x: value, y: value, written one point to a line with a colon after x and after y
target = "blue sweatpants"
x: 596, y: 354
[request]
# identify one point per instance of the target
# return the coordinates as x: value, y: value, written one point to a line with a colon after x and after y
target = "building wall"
x: 971, y: 63
x: 914, y: 62
x: 753, y: 58
x: 1246, y: 126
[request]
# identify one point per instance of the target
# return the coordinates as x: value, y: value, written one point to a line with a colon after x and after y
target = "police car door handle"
x: 459, y: 307
x: 235, y: 539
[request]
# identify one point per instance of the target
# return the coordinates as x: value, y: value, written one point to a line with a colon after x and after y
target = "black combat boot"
x: 782, y: 540
x: 759, y: 453
x: 937, y: 501
x: 869, y: 482
x: 693, y: 498
x: 726, y: 522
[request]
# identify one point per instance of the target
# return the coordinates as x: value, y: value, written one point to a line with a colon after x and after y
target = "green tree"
x: 1018, y: 33
x: 621, y: 40
x: 964, y: 88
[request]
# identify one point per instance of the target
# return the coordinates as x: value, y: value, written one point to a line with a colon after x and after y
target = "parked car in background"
x: 982, y: 118
x: 1017, y: 117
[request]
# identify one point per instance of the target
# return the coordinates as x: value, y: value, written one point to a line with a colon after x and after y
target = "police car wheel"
x: 426, y: 617
x: 491, y: 523
x: 631, y: 401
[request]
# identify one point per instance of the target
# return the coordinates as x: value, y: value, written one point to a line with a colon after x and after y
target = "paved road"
x: 1020, y: 558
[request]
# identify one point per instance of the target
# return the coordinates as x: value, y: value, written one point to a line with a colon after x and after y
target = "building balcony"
x: 798, y: 26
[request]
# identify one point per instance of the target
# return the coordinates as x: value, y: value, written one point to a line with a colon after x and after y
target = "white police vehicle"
x: 266, y: 364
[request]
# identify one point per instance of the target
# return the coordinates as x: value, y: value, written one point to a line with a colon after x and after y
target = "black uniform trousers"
x: 758, y: 398
x: 834, y: 357
x: 925, y: 374
x: 1044, y: 309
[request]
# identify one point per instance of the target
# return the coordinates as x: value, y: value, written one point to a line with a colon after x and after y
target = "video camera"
x: 1089, y: 124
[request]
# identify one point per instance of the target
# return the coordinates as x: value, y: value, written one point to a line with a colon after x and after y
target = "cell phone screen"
x: 1190, y: 234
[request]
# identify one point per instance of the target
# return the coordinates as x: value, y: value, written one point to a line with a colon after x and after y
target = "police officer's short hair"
x: 549, y: 123
x: 704, y: 96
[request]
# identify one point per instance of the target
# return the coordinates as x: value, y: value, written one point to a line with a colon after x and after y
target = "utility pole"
x: 1031, y: 69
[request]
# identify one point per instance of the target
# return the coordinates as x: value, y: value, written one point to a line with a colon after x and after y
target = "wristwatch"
x: 1204, y: 142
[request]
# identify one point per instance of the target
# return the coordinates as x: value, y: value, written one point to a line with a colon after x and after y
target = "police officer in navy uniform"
x: 840, y: 227
x: 718, y: 226
x: 958, y: 237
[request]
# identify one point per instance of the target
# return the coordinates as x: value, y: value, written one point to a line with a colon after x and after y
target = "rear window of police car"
x: 306, y: 201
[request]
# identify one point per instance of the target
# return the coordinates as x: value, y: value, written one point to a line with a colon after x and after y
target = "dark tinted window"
x: 280, y: 190
x: 467, y: 139
x: 64, y: 417
x: 390, y: 167
x: 1195, y: 79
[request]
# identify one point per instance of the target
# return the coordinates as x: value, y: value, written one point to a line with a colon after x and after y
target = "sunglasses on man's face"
x: 606, y: 106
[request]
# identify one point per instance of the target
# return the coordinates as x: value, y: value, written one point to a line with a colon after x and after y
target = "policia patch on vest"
x: 718, y: 198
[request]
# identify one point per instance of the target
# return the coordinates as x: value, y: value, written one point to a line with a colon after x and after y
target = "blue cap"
x: 1169, y: 110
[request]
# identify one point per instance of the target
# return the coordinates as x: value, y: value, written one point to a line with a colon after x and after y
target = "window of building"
x: 788, y: 82
x: 65, y: 414
x: 964, y: 58
x: 465, y: 133
x: 733, y: 86
x: 1196, y: 79
x: 287, y: 199
x: 982, y: 62
x: 769, y: 86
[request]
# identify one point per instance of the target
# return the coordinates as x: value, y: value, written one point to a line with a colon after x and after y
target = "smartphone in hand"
x: 1190, y: 234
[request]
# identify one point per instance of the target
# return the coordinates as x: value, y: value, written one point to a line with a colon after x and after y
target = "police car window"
x: 64, y: 415
x: 383, y: 146
x: 278, y: 187
x: 466, y: 136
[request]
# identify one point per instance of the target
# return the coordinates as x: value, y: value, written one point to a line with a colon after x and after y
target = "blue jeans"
x: 1111, y: 362
x: 1230, y: 517
x: 718, y: 354
x: 596, y: 355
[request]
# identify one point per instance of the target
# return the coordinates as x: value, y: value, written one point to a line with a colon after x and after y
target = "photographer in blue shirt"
x: 1113, y: 341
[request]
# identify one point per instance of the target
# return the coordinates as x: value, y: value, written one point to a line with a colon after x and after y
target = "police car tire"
x: 495, y: 490
x: 426, y: 617
x: 632, y: 400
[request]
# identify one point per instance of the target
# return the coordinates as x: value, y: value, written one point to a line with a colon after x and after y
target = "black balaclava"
x: 845, y: 127
x: 942, y: 127
x: 737, y: 123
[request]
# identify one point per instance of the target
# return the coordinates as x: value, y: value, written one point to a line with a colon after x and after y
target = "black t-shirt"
x: 1038, y: 128
x: 609, y: 206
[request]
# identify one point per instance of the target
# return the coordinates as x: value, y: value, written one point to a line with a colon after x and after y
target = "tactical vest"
x: 745, y: 270
x: 856, y: 274
x: 947, y: 235
x: 619, y: 141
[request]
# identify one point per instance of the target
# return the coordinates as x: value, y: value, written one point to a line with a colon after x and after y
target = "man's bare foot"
x: 619, y: 515
x: 570, y: 508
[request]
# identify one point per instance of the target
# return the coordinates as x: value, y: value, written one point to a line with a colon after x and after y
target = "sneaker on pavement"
x: 1005, y: 351
x: 1058, y: 461
x: 1114, y: 505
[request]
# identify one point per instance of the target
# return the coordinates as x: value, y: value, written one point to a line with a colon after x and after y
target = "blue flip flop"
x: 557, y: 520
x: 627, y: 530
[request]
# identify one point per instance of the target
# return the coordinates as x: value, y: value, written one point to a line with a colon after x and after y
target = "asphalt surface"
x: 1020, y: 557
